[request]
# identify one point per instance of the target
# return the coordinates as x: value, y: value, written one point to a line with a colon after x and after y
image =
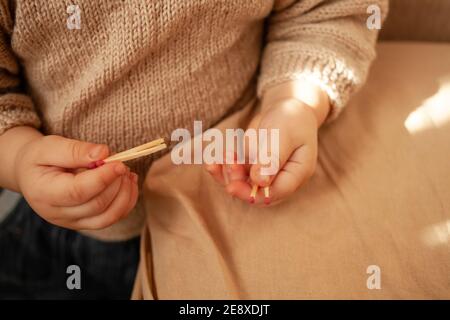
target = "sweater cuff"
x: 325, y: 70
x: 16, y: 110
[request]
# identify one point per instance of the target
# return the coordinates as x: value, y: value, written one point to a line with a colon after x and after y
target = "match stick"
x: 253, y: 193
x: 130, y: 156
x: 138, y: 148
x: 267, y: 195
x: 133, y: 153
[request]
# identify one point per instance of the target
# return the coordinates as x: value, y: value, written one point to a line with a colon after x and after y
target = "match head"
x: 266, y: 201
x: 99, y: 163
x: 251, y: 200
x: 92, y: 165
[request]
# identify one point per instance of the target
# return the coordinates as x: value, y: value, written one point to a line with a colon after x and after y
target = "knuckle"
x: 101, y: 203
x: 77, y: 194
x: 75, y: 150
x: 102, y: 179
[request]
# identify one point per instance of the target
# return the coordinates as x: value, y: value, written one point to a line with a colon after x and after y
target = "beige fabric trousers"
x: 380, y: 197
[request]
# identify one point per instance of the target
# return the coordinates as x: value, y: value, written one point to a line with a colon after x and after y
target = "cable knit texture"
x: 136, y: 70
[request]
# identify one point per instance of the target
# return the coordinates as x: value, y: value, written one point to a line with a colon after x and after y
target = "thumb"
x: 275, y: 146
x: 69, y: 153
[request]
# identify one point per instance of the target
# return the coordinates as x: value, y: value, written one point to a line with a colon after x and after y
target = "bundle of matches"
x: 255, y: 191
x: 136, y: 152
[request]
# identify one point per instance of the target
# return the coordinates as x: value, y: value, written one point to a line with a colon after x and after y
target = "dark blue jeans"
x: 34, y: 256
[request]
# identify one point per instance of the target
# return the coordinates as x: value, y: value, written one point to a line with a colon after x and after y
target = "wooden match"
x: 142, y: 147
x: 267, y: 195
x: 133, y: 153
x: 253, y: 193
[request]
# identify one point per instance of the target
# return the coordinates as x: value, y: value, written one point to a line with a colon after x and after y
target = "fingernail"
x: 96, y: 152
x: 120, y: 169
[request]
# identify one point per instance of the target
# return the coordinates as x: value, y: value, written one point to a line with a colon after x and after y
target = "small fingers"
x: 215, y: 170
x: 297, y: 170
x: 96, y: 205
x: 119, y: 207
x: 239, y: 189
x: 67, y: 189
x: 236, y: 172
x: 69, y: 153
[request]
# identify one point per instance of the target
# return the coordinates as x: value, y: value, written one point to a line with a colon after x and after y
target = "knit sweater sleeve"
x: 16, y: 108
x: 326, y: 42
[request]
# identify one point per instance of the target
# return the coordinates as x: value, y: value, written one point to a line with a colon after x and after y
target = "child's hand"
x: 298, y: 125
x: 48, y: 175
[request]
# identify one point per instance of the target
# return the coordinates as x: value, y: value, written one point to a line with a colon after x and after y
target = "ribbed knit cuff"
x: 328, y: 72
x: 17, y: 110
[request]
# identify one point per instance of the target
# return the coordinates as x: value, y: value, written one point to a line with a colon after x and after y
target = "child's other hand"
x: 47, y: 172
x: 298, y: 124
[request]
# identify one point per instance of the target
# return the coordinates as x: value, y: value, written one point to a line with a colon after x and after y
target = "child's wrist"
x: 306, y: 93
x: 15, y: 141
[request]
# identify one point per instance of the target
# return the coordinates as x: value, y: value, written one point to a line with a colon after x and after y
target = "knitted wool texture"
x: 136, y: 70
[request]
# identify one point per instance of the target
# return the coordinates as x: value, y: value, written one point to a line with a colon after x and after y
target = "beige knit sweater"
x: 136, y: 70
